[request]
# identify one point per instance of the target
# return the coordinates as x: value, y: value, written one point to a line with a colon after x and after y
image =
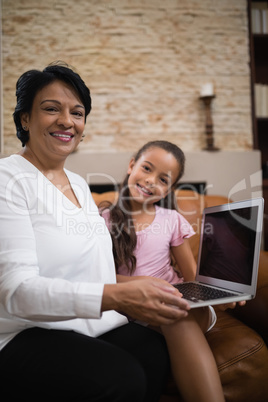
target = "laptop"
x: 228, y: 258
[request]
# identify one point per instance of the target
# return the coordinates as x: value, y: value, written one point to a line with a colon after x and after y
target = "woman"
x: 61, y: 331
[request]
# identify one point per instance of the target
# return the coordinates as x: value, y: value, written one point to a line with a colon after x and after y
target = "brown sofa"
x: 240, y: 337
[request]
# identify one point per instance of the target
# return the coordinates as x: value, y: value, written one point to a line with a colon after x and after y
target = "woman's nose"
x: 65, y: 119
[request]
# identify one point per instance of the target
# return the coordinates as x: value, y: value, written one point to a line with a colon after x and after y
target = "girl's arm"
x: 185, y: 260
x: 125, y: 278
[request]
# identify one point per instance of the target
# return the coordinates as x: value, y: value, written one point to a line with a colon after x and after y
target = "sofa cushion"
x: 242, y: 358
x: 253, y: 312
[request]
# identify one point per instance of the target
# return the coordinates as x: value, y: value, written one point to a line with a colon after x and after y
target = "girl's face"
x: 56, y: 122
x: 151, y: 177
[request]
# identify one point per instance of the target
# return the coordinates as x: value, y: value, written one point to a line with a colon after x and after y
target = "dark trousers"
x: 128, y: 364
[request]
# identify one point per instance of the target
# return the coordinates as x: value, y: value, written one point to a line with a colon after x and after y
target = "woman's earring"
x: 25, y: 128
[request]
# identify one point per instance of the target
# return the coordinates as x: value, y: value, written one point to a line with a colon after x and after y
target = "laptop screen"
x: 228, y: 244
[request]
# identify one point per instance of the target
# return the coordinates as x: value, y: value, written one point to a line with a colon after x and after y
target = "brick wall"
x: 144, y: 61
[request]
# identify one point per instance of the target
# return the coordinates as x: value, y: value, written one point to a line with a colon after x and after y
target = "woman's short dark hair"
x: 33, y: 81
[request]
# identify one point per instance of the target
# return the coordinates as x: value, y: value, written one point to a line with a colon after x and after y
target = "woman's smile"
x: 62, y: 136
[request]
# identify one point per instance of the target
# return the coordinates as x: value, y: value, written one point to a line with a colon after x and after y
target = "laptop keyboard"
x: 194, y: 292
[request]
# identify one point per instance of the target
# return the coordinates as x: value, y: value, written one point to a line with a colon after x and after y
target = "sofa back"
x: 190, y: 205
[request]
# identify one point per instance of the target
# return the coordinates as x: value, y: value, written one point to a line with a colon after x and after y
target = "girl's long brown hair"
x: 121, y: 224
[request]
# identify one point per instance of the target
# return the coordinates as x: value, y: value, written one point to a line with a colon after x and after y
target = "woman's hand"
x: 147, y: 299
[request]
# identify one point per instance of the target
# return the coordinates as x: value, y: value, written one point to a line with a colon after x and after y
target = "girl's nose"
x: 150, y: 180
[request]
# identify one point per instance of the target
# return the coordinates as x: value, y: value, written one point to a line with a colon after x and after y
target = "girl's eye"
x: 164, y: 181
x: 146, y: 168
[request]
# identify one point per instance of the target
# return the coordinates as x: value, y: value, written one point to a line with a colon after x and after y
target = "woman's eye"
x: 78, y: 114
x: 51, y: 109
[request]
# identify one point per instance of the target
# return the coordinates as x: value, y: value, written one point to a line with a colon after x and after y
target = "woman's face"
x: 151, y: 177
x: 56, y: 122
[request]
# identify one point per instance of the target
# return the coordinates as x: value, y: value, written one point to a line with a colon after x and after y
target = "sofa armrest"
x: 255, y: 312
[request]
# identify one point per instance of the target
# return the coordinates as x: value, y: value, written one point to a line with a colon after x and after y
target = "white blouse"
x: 54, y: 257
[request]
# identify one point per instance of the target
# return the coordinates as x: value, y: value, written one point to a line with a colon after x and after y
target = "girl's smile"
x: 144, y: 190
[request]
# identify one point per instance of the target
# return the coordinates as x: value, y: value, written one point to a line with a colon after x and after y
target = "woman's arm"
x: 185, y: 260
x: 24, y: 292
x: 151, y: 300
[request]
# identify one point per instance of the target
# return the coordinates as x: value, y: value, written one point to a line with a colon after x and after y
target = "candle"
x: 207, y: 90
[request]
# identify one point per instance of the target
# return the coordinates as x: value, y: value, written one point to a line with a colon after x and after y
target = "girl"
x: 148, y: 233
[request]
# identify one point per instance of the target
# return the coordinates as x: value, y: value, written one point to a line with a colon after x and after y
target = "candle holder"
x: 207, y: 99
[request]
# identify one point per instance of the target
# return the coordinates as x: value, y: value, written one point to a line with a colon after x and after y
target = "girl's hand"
x: 148, y: 299
x: 223, y: 307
